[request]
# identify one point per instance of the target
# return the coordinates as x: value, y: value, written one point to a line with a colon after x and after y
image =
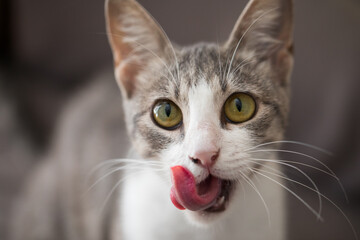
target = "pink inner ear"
x: 127, y: 75
x: 184, y: 192
x: 126, y: 21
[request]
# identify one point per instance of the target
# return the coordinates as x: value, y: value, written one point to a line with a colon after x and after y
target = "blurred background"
x: 49, y: 50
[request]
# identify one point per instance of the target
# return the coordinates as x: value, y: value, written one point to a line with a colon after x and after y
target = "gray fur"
x: 56, y: 204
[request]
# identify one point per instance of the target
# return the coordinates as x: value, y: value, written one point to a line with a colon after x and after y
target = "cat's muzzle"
x: 210, y: 195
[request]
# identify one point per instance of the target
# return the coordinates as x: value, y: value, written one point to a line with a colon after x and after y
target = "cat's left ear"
x: 135, y: 38
x: 265, y: 31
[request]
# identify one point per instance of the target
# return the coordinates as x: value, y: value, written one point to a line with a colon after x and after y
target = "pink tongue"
x: 184, y: 194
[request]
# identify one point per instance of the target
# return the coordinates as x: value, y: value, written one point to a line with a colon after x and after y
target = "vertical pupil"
x: 238, y: 104
x: 167, y: 109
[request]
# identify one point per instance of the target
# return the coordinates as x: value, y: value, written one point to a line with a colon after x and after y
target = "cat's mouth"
x: 211, y: 195
x: 222, y: 200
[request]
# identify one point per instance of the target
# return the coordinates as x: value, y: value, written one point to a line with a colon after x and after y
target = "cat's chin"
x: 205, y: 218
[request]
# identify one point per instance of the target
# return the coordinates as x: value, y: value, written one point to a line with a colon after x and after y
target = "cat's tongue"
x: 185, y: 193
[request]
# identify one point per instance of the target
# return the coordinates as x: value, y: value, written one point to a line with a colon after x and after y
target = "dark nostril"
x: 214, y: 157
x: 195, y: 160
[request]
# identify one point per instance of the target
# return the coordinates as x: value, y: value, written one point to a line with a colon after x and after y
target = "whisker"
x: 263, y: 165
x: 296, y: 153
x: 117, y: 169
x: 293, y: 193
x: 242, y: 66
x: 244, y: 62
x: 242, y: 189
x: 170, y: 44
x: 302, y: 172
x: 226, y: 67
x: 299, y: 163
x: 251, y: 183
x: 126, y: 177
x: 310, y: 157
x: 112, y: 191
x: 292, y: 142
x: 240, y: 40
x: 322, y: 195
x: 121, y: 161
x: 256, y: 177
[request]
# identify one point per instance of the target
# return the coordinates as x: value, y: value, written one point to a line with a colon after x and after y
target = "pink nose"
x: 206, y: 158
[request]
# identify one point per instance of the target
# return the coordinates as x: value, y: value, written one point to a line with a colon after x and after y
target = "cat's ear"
x: 265, y: 31
x: 135, y: 39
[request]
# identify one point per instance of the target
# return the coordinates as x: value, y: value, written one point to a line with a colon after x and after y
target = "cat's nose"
x: 205, y: 158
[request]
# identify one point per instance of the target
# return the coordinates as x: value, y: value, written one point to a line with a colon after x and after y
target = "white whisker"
x: 293, y: 193
x: 248, y: 180
x: 112, y: 162
x: 242, y: 189
x: 170, y: 44
x: 240, y: 40
x: 301, y: 164
x: 245, y: 62
x: 117, y: 169
x: 310, y: 157
x: 322, y: 195
x: 296, y: 153
x: 292, y: 142
x: 124, y: 178
x: 300, y: 171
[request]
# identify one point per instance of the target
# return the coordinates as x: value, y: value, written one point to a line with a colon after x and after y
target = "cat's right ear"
x: 135, y: 39
x: 264, y: 31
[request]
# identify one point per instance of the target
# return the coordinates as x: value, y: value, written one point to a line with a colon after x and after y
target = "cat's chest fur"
x: 146, y: 212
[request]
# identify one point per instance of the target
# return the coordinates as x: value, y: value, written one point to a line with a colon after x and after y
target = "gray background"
x: 50, y: 49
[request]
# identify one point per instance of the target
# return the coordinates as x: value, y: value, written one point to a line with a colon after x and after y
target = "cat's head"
x: 200, y: 109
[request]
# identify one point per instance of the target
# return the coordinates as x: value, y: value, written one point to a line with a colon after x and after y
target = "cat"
x: 197, y: 118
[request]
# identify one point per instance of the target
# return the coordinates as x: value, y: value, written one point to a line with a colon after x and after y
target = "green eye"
x: 239, y: 108
x: 167, y: 115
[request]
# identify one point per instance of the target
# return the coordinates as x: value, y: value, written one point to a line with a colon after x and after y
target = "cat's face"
x: 200, y: 110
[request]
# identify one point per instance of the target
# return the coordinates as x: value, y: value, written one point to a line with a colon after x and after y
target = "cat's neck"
x: 145, y: 206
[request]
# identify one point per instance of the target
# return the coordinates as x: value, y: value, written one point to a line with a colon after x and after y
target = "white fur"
x: 146, y: 209
x: 147, y: 213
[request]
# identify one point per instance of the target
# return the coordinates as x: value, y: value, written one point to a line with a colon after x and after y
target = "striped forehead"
x: 207, y: 63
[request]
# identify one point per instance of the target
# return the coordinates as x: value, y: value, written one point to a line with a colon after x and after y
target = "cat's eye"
x: 167, y: 115
x: 239, y: 107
